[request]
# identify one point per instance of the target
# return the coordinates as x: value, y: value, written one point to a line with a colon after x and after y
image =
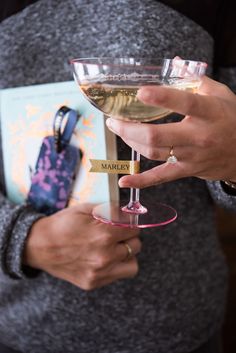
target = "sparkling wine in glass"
x: 111, y: 85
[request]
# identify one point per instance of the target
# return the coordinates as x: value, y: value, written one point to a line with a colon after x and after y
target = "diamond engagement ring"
x: 172, y: 159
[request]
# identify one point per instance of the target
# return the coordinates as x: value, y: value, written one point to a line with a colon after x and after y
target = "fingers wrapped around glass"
x: 111, y: 85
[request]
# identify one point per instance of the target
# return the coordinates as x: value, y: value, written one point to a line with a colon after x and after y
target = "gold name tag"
x: 114, y: 167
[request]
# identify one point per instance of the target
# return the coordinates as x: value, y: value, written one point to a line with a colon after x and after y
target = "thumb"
x: 161, y: 174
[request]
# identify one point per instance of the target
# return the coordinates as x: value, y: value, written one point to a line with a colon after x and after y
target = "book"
x: 26, y: 117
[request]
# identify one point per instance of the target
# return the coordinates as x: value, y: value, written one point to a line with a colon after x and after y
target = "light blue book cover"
x: 27, y: 115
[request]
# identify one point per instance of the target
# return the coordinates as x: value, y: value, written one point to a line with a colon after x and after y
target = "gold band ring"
x: 172, y: 159
x: 129, y: 251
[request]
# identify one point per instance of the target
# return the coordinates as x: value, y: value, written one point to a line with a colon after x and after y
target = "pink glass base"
x: 157, y: 215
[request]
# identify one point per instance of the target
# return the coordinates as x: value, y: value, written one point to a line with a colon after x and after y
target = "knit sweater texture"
x: 176, y: 302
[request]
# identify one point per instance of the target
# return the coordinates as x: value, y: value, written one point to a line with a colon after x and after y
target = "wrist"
x: 35, y: 244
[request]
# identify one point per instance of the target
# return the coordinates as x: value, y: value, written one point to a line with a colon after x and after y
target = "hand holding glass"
x: 111, y: 85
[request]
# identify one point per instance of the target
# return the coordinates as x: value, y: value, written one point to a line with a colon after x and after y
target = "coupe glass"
x: 111, y: 85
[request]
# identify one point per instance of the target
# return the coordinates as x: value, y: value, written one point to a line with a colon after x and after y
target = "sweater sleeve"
x: 15, y: 224
x: 223, y: 195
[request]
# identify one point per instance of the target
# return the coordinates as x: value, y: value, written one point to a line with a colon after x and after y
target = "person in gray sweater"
x: 70, y: 289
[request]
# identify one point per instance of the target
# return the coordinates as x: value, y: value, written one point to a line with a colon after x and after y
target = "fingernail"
x: 144, y: 94
x: 151, y: 95
x: 110, y: 124
x: 121, y: 184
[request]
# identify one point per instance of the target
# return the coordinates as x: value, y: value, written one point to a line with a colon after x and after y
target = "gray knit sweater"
x: 176, y: 302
